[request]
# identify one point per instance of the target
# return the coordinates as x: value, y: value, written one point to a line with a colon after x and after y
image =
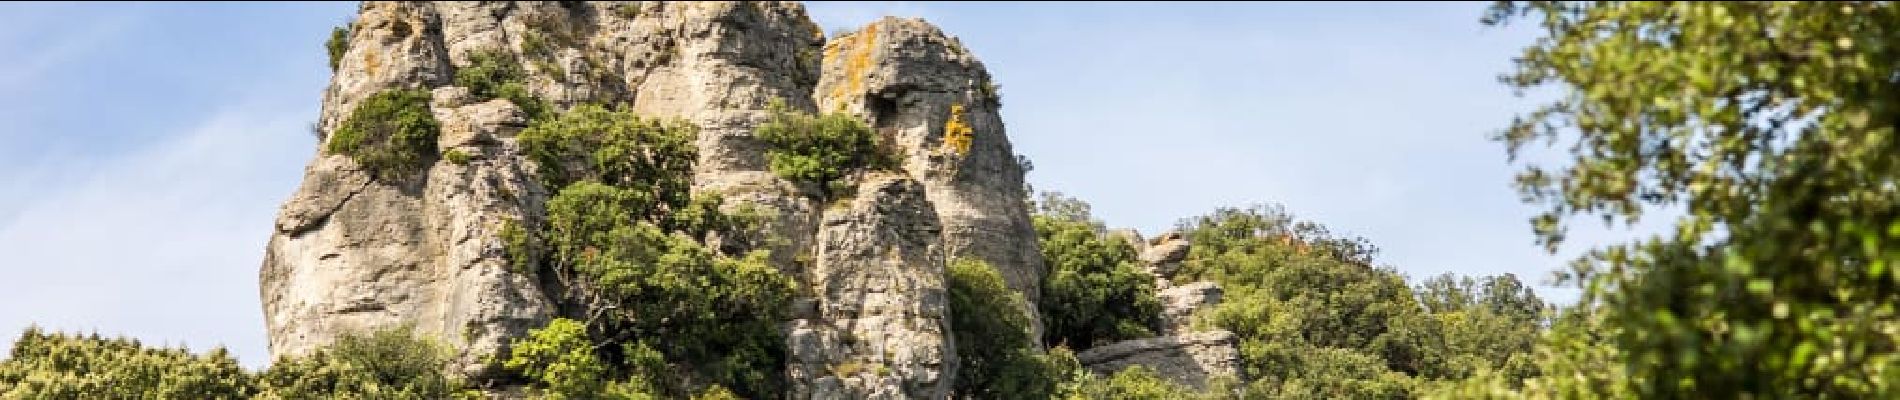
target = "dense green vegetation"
x: 992, y: 330
x: 495, y: 74
x: 386, y: 364
x: 57, y: 366
x: 1095, y: 291
x: 625, y: 236
x: 821, y: 149
x: 382, y: 364
x: 391, y: 134
x: 1771, y: 126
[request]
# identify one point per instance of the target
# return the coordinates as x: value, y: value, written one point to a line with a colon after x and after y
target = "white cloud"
x: 162, y: 244
x: 28, y: 68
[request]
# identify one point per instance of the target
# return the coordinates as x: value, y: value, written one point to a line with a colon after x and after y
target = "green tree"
x: 391, y: 134
x: 820, y: 149
x: 1772, y: 125
x: 1132, y: 383
x: 1095, y: 291
x: 1315, y: 318
x: 626, y: 238
x: 999, y: 357
x: 381, y: 364
x: 58, y: 366
x: 561, y: 360
x: 338, y: 44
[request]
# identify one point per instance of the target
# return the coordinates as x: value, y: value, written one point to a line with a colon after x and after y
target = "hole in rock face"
x: 881, y: 109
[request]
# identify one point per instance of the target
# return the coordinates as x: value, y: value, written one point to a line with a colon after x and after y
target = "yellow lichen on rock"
x: 858, y: 62
x: 956, y: 133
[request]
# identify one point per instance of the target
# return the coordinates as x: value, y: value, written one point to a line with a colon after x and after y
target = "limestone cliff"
x: 351, y: 252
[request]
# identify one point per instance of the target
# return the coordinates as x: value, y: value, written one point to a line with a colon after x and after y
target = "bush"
x: 391, y: 134
x: 991, y: 327
x: 820, y: 149
x: 614, y: 147
x: 58, y: 366
x: 1132, y: 383
x: 383, y: 364
x: 716, y: 316
x: 494, y: 74
x: 338, y: 44
x: 1095, y: 291
x: 625, y: 235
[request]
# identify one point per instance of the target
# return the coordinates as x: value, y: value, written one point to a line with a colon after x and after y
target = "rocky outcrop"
x: 1189, y: 359
x: 879, y: 329
x: 1179, y: 303
x: 921, y: 90
x: 1164, y: 256
x: 1182, y: 354
x: 352, y: 253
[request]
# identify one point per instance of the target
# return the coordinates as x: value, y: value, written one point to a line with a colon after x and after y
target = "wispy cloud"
x: 159, y: 244
x: 26, y: 68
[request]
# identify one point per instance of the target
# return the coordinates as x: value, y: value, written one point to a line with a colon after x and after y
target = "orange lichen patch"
x: 956, y: 133
x: 857, y: 62
x: 371, y: 64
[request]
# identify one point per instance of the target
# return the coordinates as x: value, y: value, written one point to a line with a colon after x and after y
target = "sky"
x: 146, y: 147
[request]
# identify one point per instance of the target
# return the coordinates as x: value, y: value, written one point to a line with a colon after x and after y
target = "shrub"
x: 991, y: 326
x: 382, y: 364
x: 625, y: 235
x: 494, y: 74
x: 614, y: 147
x: 338, y: 44
x: 58, y: 366
x: 1095, y: 291
x: 820, y: 149
x: 1132, y: 383
x: 391, y: 134
x: 457, y: 156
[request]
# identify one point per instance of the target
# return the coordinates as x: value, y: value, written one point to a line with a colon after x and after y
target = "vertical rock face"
x: 920, y: 89
x: 879, y: 328
x: 351, y: 253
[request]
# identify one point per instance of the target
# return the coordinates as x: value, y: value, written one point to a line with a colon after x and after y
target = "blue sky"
x: 145, y: 147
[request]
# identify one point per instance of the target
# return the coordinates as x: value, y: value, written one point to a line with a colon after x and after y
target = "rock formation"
x: 1181, y: 354
x: 352, y: 253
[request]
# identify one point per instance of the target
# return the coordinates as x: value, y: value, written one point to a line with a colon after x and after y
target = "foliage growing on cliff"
x: 338, y: 44
x: 1094, y: 290
x: 391, y: 134
x: 820, y: 149
x: 494, y: 74
x: 625, y: 235
x: 561, y: 360
x: 1771, y: 125
x: 992, y: 329
x: 59, y: 366
x: 614, y: 147
x: 381, y: 364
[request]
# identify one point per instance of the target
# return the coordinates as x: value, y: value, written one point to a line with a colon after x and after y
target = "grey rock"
x: 1180, y: 302
x: 1164, y: 258
x: 1189, y: 359
x: 910, y: 81
x: 1131, y: 237
x: 882, y: 330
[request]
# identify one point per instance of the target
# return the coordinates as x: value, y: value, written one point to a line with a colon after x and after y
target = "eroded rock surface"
x: 354, y: 253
